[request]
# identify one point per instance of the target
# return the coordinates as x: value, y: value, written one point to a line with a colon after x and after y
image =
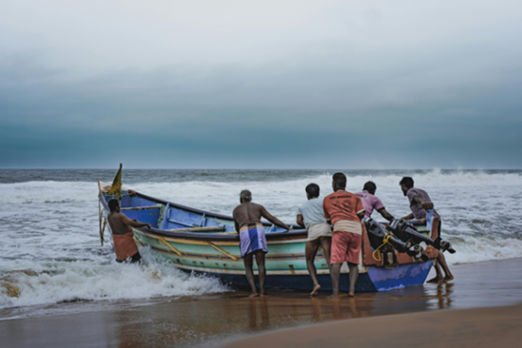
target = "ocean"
x: 50, y: 249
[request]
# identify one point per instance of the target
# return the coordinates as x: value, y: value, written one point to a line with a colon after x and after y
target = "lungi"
x: 252, y: 238
x: 124, y: 246
x: 319, y: 230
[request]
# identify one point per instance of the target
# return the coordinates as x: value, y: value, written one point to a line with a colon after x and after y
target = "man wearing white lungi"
x: 311, y: 216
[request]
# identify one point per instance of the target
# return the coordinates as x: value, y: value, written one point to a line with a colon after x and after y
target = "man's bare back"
x: 249, y: 213
x: 119, y: 223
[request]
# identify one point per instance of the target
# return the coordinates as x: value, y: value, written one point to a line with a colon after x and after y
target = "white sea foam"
x: 80, y: 281
x: 51, y: 228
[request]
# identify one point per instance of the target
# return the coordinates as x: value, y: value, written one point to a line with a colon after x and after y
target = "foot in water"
x: 351, y: 294
x: 254, y: 294
x: 448, y: 278
x: 315, y: 290
x: 435, y: 280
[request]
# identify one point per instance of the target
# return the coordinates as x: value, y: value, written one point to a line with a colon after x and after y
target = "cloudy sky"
x: 266, y: 84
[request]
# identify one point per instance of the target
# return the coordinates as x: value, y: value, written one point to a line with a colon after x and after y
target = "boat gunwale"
x: 293, y: 234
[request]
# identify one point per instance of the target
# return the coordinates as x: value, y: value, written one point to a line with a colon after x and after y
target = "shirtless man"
x: 311, y: 216
x: 422, y: 211
x: 124, y: 244
x: 247, y: 219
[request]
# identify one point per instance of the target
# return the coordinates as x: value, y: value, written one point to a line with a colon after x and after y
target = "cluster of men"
x: 333, y: 224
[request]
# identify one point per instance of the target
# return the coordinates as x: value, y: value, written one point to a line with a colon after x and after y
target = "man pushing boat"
x: 121, y: 227
x: 345, y: 210
x: 311, y: 216
x: 247, y: 219
x: 422, y: 213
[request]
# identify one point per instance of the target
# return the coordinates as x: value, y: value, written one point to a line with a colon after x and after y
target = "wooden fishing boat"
x: 199, y: 241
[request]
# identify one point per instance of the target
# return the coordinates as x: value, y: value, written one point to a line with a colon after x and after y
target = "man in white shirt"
x: 311, y: 216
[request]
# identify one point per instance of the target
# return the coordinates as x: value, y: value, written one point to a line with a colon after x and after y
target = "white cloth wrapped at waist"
x: 348, y: 226
x: 319, y: 230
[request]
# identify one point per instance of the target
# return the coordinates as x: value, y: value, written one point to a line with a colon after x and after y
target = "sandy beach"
x: 230, y: 318
x: 485, y: 327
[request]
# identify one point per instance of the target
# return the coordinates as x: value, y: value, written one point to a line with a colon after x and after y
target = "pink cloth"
x: 346, y: 247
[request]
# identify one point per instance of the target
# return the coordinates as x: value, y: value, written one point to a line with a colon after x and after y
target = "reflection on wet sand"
x: 200, y: 320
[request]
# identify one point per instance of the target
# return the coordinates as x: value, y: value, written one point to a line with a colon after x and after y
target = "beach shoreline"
x: 216, y: 319
x: 476, y: 327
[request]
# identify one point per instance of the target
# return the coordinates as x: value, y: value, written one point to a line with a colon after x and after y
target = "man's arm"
x: 359, y: 208
x: 413, y: 198
x: 273, y: 219
x: 325, y: 212
x: 133, y: 223
x: 300, y: 220
x: 385, y: 214
x: 407, y: 217
x: 236, y: 225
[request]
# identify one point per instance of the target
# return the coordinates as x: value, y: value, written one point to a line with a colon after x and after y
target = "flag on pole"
x: 116, y: 184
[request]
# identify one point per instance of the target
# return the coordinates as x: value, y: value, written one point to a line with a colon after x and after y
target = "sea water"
x: 50, y: 251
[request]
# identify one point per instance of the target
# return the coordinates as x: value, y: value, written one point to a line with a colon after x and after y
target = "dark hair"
x: 370, y: 187
x: 312, y: 190
x: 339, y: 181
x: 113, y: 204
x: 245, y: 196
x: 407, y: 181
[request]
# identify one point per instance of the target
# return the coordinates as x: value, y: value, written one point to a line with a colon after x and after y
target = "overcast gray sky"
x: 268, y: 84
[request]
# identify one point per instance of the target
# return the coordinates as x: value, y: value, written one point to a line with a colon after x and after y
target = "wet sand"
x: 220, y: 319
x: 485, y: 327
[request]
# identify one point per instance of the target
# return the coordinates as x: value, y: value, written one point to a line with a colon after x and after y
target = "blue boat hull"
x: 376, y: 279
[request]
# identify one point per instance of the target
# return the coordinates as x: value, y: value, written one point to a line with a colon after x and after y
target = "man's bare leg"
x: 438, y: 274
x: 325, y: 245
x: 354, y: 273
x: 310, y: 252
x: 248, y: 261
x: 260, y: 260
x: 442, y: 261
x: 335, y: 271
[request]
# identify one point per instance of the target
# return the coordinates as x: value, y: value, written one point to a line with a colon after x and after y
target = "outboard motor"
x: 407, y: 232
x: 379, y: 233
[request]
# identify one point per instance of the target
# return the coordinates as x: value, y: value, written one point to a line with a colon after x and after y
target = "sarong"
x: 319, y: 230
x: 252, y: 238
x: 124, y: 246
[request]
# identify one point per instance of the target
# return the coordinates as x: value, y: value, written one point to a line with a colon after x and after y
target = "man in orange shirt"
x: 344, y: 210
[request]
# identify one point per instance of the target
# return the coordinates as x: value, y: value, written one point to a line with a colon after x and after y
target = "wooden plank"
x: 148, y: 207
x: 199, y: 229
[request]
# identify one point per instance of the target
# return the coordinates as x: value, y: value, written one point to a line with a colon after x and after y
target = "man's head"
x: 114, y: 206
x: 370, y: 187
x: 245, y: 196
x: 338, y: 181
x: 312, y: 191
x: 406, y: 183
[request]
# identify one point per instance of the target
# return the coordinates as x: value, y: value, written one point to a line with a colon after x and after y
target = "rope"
x: 385, y: 240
